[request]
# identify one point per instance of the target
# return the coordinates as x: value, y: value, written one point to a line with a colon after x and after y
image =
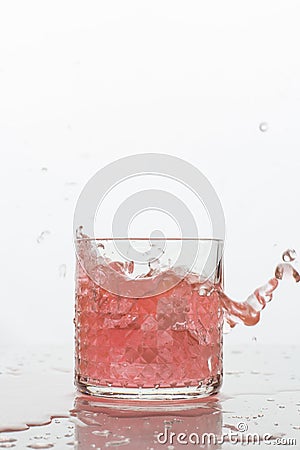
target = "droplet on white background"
x: 289, y: 255
x: 263, y: 126
x: 62, y: 270
x: 42, y: 236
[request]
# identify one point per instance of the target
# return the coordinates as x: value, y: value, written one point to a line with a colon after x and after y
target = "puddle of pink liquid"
x: 26, y: 380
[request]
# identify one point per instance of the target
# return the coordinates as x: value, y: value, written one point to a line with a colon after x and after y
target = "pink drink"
x: 166, y: 343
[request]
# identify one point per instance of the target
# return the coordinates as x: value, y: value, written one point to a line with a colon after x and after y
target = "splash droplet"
x: 42, y: 236
x: 289, y: 255
x: 286, y: 270
x: 263, y: 126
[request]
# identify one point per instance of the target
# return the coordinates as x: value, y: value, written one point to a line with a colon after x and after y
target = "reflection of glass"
x: 155, y: 334
x: 102, y: 425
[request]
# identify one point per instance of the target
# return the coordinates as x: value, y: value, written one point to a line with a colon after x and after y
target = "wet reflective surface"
x: 260, y: 399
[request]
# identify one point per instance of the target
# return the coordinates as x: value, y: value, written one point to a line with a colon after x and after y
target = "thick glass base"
x: 204, y: 389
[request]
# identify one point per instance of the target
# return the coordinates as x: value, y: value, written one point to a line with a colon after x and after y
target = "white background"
x: 84, y: 83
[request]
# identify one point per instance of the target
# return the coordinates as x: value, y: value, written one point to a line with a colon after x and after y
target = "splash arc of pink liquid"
x: 248, y: 312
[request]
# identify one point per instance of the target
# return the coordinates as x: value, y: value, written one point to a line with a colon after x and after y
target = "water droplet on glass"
x: 289, y: 255
x: 263, y: 126
x: 62, y: 270
x: 42, y: 236
x: 254, y: 339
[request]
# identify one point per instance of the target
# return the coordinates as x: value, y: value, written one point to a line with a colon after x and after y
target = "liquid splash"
x: 248, y: 312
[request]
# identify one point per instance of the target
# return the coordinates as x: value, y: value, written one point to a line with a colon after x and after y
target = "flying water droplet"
x: 42, y: 236
x: 263, y: 126
x: 104, y: 433
x: 286, y: 270
x: 289, y: 255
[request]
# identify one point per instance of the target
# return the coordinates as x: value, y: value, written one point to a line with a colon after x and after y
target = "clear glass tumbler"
x: 148, y: 334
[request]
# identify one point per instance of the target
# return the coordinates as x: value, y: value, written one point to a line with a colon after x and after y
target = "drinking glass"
x: 150, y: 330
